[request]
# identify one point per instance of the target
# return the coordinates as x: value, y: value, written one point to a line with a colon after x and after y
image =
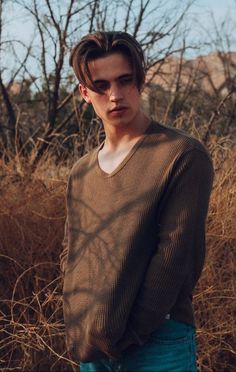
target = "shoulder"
x: 83, y: 164
x: 175, y: 141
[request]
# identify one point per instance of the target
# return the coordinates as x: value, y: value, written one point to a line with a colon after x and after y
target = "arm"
x: 181, y: 247
x: 64, y: 253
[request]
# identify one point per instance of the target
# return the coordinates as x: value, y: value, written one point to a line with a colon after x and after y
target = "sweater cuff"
x: 145, y: 321
x: 131, y: 338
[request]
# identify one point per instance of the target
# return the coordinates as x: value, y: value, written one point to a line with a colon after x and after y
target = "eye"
x: 101, y: 85
x: 126, y: 80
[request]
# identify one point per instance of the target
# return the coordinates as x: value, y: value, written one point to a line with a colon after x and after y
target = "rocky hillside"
x: 215, y: 73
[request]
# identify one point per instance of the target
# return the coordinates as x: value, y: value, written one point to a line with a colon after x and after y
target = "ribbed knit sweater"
x: 134, y: 242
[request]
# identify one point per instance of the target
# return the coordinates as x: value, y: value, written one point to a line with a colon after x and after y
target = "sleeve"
x: 181, y: 242
x: 64, y: 253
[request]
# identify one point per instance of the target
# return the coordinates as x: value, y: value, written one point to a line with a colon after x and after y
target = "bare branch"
x: 139, y: 20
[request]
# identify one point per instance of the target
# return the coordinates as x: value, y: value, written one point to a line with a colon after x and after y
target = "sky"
x: 201, y: 10
x: 219, y: 10
x: 218, y: 7
x: 20, y: 27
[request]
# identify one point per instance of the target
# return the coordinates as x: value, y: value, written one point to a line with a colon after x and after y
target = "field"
x: 32, y: 215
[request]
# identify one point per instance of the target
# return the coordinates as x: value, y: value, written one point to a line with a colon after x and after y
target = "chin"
x: 122, y: 121
x: 121, y: 124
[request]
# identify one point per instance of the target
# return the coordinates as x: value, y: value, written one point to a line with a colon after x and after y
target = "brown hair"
x: 101, y: 43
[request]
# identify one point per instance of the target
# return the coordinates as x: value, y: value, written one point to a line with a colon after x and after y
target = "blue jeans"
x: 171, y: 348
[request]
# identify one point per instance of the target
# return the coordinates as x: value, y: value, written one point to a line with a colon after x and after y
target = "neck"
x: 118, y: 136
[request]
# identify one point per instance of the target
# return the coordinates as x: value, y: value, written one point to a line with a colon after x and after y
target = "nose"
x: 115, y: 93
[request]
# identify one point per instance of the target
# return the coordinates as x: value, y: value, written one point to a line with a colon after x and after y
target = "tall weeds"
x: 32, y: 214
x: 215, y: 296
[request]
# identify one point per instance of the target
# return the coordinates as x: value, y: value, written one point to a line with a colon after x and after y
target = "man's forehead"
x: 110, y: 66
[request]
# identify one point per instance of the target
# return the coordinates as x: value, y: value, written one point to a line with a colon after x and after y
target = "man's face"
x: 119, y: 102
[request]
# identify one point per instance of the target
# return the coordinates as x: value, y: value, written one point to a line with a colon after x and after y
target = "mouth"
x: 118, y: 110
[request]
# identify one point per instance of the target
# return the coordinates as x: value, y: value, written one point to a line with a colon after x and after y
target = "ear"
x: 84, y: 93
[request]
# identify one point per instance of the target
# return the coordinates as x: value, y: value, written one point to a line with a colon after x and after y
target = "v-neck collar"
x: 126, y: 158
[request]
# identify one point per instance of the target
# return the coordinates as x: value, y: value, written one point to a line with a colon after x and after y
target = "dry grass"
x: 32, y: 213
x: 215, y: 296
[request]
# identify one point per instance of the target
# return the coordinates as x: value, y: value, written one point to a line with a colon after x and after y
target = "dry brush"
x: 32, y: 214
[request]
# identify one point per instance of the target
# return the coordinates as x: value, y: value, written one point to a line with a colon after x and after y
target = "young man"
x: 134, y: 237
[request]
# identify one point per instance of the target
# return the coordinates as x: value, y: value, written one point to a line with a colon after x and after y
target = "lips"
x: 118, y: 110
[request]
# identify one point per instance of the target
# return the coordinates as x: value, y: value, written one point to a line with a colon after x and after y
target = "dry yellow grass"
x: 215, y: 296
x: 32, y: 213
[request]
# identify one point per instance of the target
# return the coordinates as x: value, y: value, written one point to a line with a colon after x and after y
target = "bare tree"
x: 220, y: 38
x: 58, y: 25
x: 7, y: 129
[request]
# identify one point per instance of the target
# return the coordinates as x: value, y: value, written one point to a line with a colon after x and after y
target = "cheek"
x: 135, y: 98
x: 132, y: 91
x: 99, y: 107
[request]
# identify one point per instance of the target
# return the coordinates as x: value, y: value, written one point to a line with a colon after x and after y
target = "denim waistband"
x: 173, y: 326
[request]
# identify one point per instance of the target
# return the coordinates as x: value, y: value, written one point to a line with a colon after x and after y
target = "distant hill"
x: 215, y: 73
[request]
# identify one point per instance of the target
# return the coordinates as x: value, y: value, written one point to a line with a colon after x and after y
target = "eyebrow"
x: 118, y: 78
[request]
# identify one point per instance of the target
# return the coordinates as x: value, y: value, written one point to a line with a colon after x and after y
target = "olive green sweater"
x: 134, y: 242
